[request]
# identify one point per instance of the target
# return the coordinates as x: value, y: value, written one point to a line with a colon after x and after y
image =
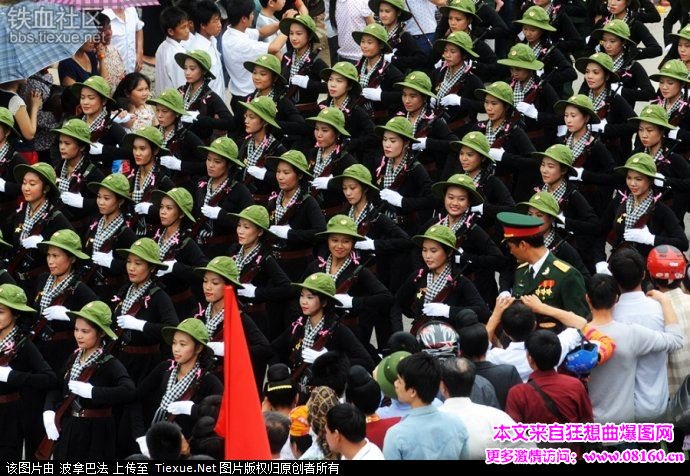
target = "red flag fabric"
x: 241, y: 421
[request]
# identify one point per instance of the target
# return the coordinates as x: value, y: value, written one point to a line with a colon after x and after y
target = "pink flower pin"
x: 116, y: 298
x: 202, y: 183
x: 93, y: 225
x: 172, y: 364
x: 296, y: 324
x: 146, y: 302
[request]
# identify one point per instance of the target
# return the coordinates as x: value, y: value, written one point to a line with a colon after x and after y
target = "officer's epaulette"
x: 562, y: 265
x: 522, y: 265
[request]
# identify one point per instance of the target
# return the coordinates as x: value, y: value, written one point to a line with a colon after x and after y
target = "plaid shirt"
x: 679, y: 360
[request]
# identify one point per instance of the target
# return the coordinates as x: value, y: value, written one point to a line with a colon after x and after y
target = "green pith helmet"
x: 265, y: 108
x: 305, y: 20
x: 674, y: 69
x: 98, y: 84
x: 463, y: 6
x: 545, y: 202
x: 359, y: 173
x: 223, y: 266
x: 7, y: 118
x: 475, y: 141
x: 150, y: 133
x: 257, y: 214
x: 66, y: 240
x: 462, y: 181
x: 403, y: 15
x: 191, y: 326
x: 377, y: 31
x: 182, y: 198
x: 295, y: 158
x: 439, y: 233
x: 341, y: 225
x: 537, y: 17
x: 499, y: 89
x: 116, y: 183
x: 43, y: 170
x: 97, y: 313
x: 332, y: 116
x: 202, y: 58
x: 269, y: 62
x: 684, y: 33
x: 418, y: 81
x: 640, y: 162
x: 76, y: 129
x: 386, y: 373
x: 146, y: 249
x: 602, y: 59
x: 14, y: 297
x: 398, y: 125
x: 458, y: 38
x: 347, y: 71
x: 560, y: 153
x: 171, y: 99
x: 225, y: 147
x: 583, y: 103
x: 615, y: 27
x: 522, y: 56
x: 654, y: 114
x: 321, y: 283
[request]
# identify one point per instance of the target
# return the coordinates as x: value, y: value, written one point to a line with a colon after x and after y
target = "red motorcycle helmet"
x: 666, y: 262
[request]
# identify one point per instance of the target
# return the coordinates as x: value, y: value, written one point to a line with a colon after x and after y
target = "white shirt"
x: 651, y: 377
x: 168, y: 72
x: 199, y: 42
x: 125, y: 35
x: 239, y: 47
x: 536, y: 267
x: 480, y: 421
x: 425, y: 14
x: 368, y: 452
x: 350, y: 16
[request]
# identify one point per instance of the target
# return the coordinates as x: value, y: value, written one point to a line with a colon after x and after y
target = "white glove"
x: 5, y: 373
x: 257, y: 172
x: 527, y: 109
x: 659, y: 180
x: 578, y: 174
x: 673, y: 134
x: 56, y: 313
x: 247, y: 291
x: 2, y: 184
x: 103, y: 259
x: 96, y: 148
x: 436, y: 309
x: 421, y: 145
x: 639, y: 235
x: 126, y: 321
x: 310, y: 355
x: 392, y: 197
x: 601, y: 127
x: 497, y: 154
x: 451, y: 100
x: 602, y: 267
x: 31, y: 241
x: 345, y: 301
x: 540, y: 73
x: 300, y: 80
x: 504, y: 294
x: 372, y: 94
x: 281, y: 231
x: 388, y: 57
x: 478, y: 209
x: 321, y: 183
x: 49, y: 423
x: 143, y: 447
x: 617, y: 88
x: 560, y: 223
x: 182, y: 407
x: 218, y: 348
x: 82, y: 389
x: 458, y: 255
x: 667, y: 48
x: 171, y: 162
x: 120, y: 119
x: 170, y: 265
x: 72, y: 199
x: 210, y: 212
x: 521, y: 35
x: 365, y: 244
x: 190, y: 118
x: 142, y: 208
x: 561, y: 131
x: 587, y: 39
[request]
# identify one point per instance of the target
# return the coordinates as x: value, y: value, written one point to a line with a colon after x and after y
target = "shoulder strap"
x: 548, y: 401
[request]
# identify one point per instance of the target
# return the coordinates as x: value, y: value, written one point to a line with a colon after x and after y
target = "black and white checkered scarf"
x: 175, y: 389
x: 213, y: 321
x: 134, y: 294
x: 242, y: 258
x: 434, y: 286
x: 310, y: 333
x: 106, y: 231
x: 30, y: 219
x: 52, y: 290
x: 633, y: 213
x: 78, y: 366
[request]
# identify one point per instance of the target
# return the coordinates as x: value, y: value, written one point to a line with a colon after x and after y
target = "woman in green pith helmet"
x: 364, y: 300
x: 206, y: 110
x: 393, y: 15
x: 218, y: 195
x: 22, y: 369
x: 146, y: 175
x: 98, y: 380
x: 329, y: 158
x: 178, y: 251
x: 172, y: 389
x: 561, y: 16
x: 75, y: 172
x: 672, y: 96
x: 9, y: 159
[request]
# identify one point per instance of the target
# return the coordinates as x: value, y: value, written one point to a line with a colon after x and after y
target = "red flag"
x: 241, y: 421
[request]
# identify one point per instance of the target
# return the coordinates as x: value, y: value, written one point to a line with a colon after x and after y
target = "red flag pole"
x: 240, y: 421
